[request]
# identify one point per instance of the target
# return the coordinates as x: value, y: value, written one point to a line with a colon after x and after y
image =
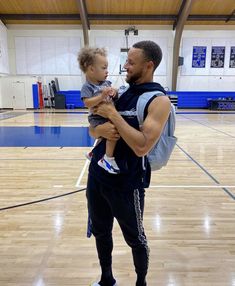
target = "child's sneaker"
x: 109, y: 165
x: 89, y: 155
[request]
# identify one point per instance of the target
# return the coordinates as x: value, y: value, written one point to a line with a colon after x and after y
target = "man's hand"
x: 105, y: 110
x: 106, y: 130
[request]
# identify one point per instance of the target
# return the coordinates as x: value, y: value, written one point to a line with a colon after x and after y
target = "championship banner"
x: 199, y: 57
x: 232, y: 58
x: 217, y: 57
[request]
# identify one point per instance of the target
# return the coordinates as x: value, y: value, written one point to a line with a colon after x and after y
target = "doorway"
x: 18, y: 95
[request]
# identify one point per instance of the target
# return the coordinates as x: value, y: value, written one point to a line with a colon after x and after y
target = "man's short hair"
x: 151, y: 51
x: 86, y: 56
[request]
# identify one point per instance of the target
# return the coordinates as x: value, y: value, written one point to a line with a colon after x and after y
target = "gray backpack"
x: 161, y: 152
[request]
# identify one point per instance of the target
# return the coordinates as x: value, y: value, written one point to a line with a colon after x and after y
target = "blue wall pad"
x: 198, y: 99
x: 35, y: 96
x: 72, y: 97
x: 36, y: 136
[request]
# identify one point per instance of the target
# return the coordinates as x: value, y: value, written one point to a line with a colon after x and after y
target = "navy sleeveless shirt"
x: 135, y: 172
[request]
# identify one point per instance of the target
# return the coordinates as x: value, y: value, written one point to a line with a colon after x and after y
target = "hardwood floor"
x: 189, y: 212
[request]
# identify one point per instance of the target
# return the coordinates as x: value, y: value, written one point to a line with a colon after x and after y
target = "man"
x: 122, y: 196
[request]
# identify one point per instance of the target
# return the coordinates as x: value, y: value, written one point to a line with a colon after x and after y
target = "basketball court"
x: 189, y: 214
x: 189, y: 217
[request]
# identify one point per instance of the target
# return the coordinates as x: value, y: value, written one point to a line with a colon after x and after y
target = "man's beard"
x: 135, y: 77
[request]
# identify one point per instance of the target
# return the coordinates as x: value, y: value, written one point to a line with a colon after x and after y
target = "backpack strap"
x: 141, y: 105
x: 142, y: 102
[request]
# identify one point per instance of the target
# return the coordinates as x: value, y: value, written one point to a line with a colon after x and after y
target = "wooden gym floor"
x: 189, y: 215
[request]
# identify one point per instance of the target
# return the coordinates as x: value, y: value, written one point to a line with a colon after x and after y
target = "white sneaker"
x: 109, y: 164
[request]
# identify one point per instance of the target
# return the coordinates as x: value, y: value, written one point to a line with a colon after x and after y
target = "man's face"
x: 135, y: 66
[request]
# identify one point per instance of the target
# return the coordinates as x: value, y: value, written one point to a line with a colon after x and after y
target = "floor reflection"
x: 45, y: 136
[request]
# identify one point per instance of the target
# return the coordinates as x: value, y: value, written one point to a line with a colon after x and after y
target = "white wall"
x: 7, y: 85
x: 24, y: 37
x: 25, y: 34
x: 114, y: 40
x: 1, y: 94
x: 4, y: 67
x: 206, y: 79
x: 164, y: 35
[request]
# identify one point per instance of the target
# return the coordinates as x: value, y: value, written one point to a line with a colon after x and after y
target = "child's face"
x: 100, y: 68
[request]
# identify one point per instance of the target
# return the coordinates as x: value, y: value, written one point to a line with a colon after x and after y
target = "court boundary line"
x: 83, y: 170
x: 41, y: 200
x: 192, y: 186
x: 185, y: 186
x: 208, y: 126
x: 205, y: 171
x: 84, y: 188
x: 81, y: 174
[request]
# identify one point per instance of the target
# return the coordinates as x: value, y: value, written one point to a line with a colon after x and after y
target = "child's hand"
x: 108, y: 93
x: 113, y: 93
x: 105, y: 92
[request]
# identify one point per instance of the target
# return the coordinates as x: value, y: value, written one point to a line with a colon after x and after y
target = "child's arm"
x: 92, y: 101
x: 95, y: 100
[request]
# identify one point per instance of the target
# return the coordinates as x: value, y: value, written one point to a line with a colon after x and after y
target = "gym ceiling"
x: 116, y: 12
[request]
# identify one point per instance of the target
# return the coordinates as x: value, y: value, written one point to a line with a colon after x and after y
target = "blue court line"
x: 217, y: 130
x: 44, y: 159
x: 37, y: 136
x: 62, y: 112
x: 177, y: 112
x: 205, y: 171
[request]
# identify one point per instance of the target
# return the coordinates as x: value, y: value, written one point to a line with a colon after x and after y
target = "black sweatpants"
x: 105, y: 203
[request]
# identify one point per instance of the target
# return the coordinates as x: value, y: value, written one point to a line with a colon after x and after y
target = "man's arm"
x: 141, y: 142
x: 106, y: 130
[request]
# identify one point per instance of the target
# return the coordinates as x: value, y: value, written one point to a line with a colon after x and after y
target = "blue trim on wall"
x: 199, y: 99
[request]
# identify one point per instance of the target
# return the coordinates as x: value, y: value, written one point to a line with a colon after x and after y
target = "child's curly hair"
x: 86, y: 56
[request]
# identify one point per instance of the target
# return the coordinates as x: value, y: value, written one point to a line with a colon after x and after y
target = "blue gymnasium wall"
x: 186, y: 99
x: 72, y: 97
x: 198, y: 99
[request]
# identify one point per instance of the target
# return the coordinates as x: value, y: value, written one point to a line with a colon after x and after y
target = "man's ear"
x: 150, y: 64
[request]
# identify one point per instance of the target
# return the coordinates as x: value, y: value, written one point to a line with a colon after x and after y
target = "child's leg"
x: 90, y: 154
x: 110, y: 146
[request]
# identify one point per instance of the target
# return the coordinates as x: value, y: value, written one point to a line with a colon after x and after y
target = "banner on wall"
x: 232, y: 58
x: 217, y: 57
x: 199, y: 57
